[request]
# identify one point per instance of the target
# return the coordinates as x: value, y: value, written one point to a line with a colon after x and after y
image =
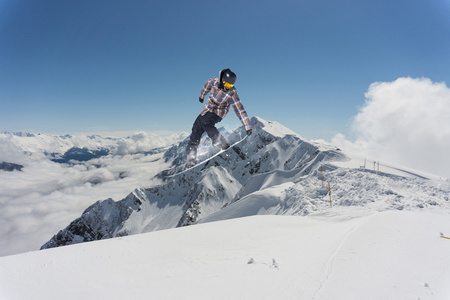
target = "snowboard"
x: 233, y: 147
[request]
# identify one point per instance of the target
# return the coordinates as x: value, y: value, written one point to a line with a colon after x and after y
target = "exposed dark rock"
x: 6, y: 166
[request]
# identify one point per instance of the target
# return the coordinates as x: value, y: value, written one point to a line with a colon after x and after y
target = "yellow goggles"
x: 227, y: 85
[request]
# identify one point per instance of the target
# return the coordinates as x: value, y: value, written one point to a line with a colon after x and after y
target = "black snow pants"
x: 204, y: 123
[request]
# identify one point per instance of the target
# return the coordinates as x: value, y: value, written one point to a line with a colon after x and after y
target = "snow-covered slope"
x: 278, y: 194
x: 343, y: 253
x: 280, y: 173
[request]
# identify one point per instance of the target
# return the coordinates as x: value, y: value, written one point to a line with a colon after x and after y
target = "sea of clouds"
x: 405, y: 122
x: 46, y: 196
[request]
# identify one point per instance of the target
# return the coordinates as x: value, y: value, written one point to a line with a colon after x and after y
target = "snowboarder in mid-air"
x: 223, y: 94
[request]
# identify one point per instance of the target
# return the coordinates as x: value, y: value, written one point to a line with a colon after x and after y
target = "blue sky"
x: 91, y: 66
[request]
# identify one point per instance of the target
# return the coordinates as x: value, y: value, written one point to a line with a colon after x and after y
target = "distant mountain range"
x: 66, y: 148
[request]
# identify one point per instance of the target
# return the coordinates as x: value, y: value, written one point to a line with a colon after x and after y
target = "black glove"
x: 200, y: 99
x: 249, y: 132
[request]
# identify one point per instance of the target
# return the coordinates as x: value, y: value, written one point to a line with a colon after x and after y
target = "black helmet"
x: 228, y: 76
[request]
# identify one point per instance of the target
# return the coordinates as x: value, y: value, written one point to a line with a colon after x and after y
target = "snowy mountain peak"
x: 275, y: 171
x: 272, y: 127
x: 189, y: 197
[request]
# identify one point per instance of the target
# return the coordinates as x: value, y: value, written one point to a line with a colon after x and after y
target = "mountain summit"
x: 279, y: 173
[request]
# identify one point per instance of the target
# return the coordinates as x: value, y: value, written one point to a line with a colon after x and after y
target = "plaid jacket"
x: 219, y: 101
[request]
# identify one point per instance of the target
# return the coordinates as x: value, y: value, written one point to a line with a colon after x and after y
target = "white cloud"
x: 46, y: 196
x: 406, y: 122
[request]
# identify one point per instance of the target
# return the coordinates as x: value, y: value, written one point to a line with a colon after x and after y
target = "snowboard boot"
x: 225, y: 146
x: 191, y: 156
